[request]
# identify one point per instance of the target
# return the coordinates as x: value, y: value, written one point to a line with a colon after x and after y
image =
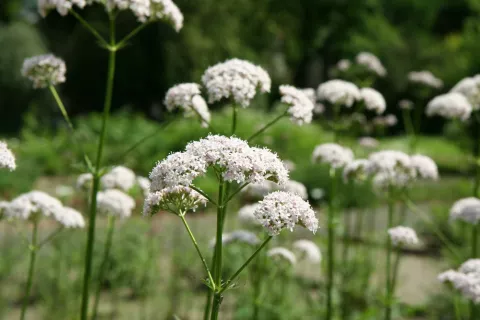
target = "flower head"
x: 310, y: 93
x: 246, y: 215
x: 309, y: 250
x: 119, y: 177
x: 84, y: 181
x: 357, y: 170
x: 236, y: 79
x: 241, y: 236
x: 339, y: 92
x: 390, y: 167
x: 470, y: 88
x: 301, y: 106
x: 7, y: 159
x: 70, y: 218
x: 425, y: 166
x: 332, y: 154
x: 281, y: 209
x: 343, y: 64
x: 33, y: 205
x: 373, y: 100
x: 402, y: 236
x: 44, y: 70
x: 187, y: 97
x: 425, y: 78
x: 282, y: 254
x: 177, y: 200
x: 371, y: 63
x: 466, y: 279
x: 62, y: 6
x: 116, y: 203
x: 450, y: 106
x: 467, y: 210
x: 368, y: 142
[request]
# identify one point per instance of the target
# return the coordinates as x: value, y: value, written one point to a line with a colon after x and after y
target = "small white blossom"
x: 84, y: 181
x: 343, y: 64
x: 339, y: 92
x: 470, y: 88
x: 32, y: 205
x: 62, y: 6
x: 317, y: 193
x: 246, y: 215
x: 44, y: 70
x: 70, y: 218
x: 391, y: 167
x: 319, y: 108
x: 301, y: 106
x: 241, y: 236
x: 373, y: 100
x: 466, y: 279
x: 281, y: 209
x: 115, y: 202
x: 390, y: 120
x: 177, y: 200
x: 282, y: 254
x: 332, y: 154
x: 357, y: 170
x: 371, y: 62
x: 187, y: 96
x: 119, y: 177
x: 403, y: 236
x: 7, y: 159
x: 168, y: 11
x: 309, y: 250
x: 405, y: 104
x: 236, y: 79
x: 467, y: 210
x: 450, y: 106
x: 368, y: 142
x: 425, y: 166
x: 425, y: 78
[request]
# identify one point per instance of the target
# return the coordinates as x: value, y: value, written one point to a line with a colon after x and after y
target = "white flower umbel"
x: 84, y: 181
x: 70, y: 218
x: 332, y: 154
x: 62, y: 6
x: 466, y: 209
x: 310, y: 93
x: 282, y: 254
x: 33, y: 205
x: 425, y: 78
x: 403, y: 236
x: 246, y: 215
x: 119, y: 177
x: 371, y: 63
x: 450, y: 106
x: 116, y: 203
x: 357, y: 170
x: 425, y: 166
x: 308, y: 250
x: 177, y: 200
x: 466, y: 280
x: 470, y: 88
x: 7, y: 159
x: 373, y: 100
x: 301, y: 106
x: 187, y: 96
x: 235, y: 79
x: 44, y: 70
x: 280, y: 210
x: 317, y: 193
x: 390, y: 167
x: 389, y: 120
x: 339, y: 92
x: 368, y: 142
x: 405, y: 104
x: 166, y: 10
x: 241, y: 236
x: 343, y: 64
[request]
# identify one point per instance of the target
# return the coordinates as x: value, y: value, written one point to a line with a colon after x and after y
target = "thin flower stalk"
x: 331, y: 245
x: 268, y: 125
x: 31, y: 269
x: 388, y: 250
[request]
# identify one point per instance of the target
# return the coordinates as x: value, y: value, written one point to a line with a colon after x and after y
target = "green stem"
x: 388, y: 250
x: 217, y: 298
x: 210, y: 278
x: 123, y: 42
x: 50, y: 237
x: 474, y: 254
x: 409, y: 128
x: 103, y: 265
x: 33, y: 254
x: 268, y: 125
x: 331, y: 245
x: 234, y: 119
x: 208, y: 304
x: 204, y: 194
x: 396, y: 266
x: 230, y: 197
x: 92, y: 30
x: 61, y: 106
x: 96, y: 178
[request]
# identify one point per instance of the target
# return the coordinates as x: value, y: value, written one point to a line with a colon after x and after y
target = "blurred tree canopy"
x: 296, y: 41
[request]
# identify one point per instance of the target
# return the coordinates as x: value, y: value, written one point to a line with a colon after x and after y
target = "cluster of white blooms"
x: 246, y: 215
x: 44, y: 70
x: 119, y: 177
x: 178, y: 200
x: 466, y: 209
x: 261, y: 189
x: 301, y: 106
x: 338, y: 92
x: 405, y: 104
x: 84, y: 181
x: 317, y: 193
x: 281, y: 209
x: 470, y: 88
x: 389, y: 120
x: 115, y: 202
x: 371, y: 62
x: 71, y: 218
x: 62, y: 6
x: 319, y: 108
x: 451, y: 105
x: 7, y: 159
x: 308, y: 250
x: 373, y: 100
x: 332, y: 154
x: 236, y: 79
x: 402, y: 236
x: 357, y: 170
x: 283, y: 254
x: 368, y: 142
x: 426, y: 78
x: 310, y: 93
x: 425, y: 166
x: 187, y: 96
x: 343, y: 64
x: 466, y: 279
x: 242, y: 236
x: 390, y: 167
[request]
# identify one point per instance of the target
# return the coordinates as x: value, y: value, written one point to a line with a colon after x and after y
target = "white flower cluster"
x: 343, y: 64
x: 32, y: 205
x: 403, y: 236
x: 332, y: 154
x: 144, y: 185
x: 357, y: 170
x: 44, y: 70
x: 371, y: 62
x: 426, y: 168
x: 178, y: 200
x: 373, y: 100
x: 246, y: 215
x: 281, y: 209
x: 7, y: 159
x: 310, y: 93
x: 282, y: 254
x: 187, y: 96
x: 368, y: 142
x: 301, y: 106
x: 390, y: 167
x: 450, y: 106
x: 308, y: 250
x: 470, y: 88
x: 261, y: 189
x: 467, y: 210
x: 388, y: 120
x: 405, y: 104
x: 339, y: 92
x: 426, y: 78
x: 466, y: 279
x: 236, y: 79
x: 118, y: 177
x: 241, y: 236
x: 62, y: 6
x: 116, y: 203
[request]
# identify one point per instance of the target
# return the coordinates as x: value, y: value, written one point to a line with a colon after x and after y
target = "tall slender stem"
x: 103, y: 265
x: 234, y: 119
x: 33, y: 254
x: 217, y: 297
x: 208, y: 304
x: 331, y: 244
x: 96, y: 178
x: 388, y: 249
x: 473, y: 255
x: 396, y: 267
x: 61, y: 106
x: 92, y: 30
x: 268, y: 125
x: 123, y: 42
x: 409, y: 128
x: 258, y: 283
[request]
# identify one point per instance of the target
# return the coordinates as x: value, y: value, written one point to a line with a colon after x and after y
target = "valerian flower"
x: 425, y: 78
x: 373, y: 100
x: 357, y: 170
x: 33, y: 205
x: 425, y: 166
x: 470, y: 88
x: 301, y: 106
x: 450, y: 106
x: 187, y: 96
x: 308, y: 250
x: 371, y: 63
x: 466, y: 209
x: 391, y: 168
x: 339, y: 92
x: 177, y: 200
x: 115, y: 203
x: 466, y: 280
x: 7, y: 159
x: 403, y: 236
x: 44, y: 70
x: 332, y: 154
x: 282, y: 254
